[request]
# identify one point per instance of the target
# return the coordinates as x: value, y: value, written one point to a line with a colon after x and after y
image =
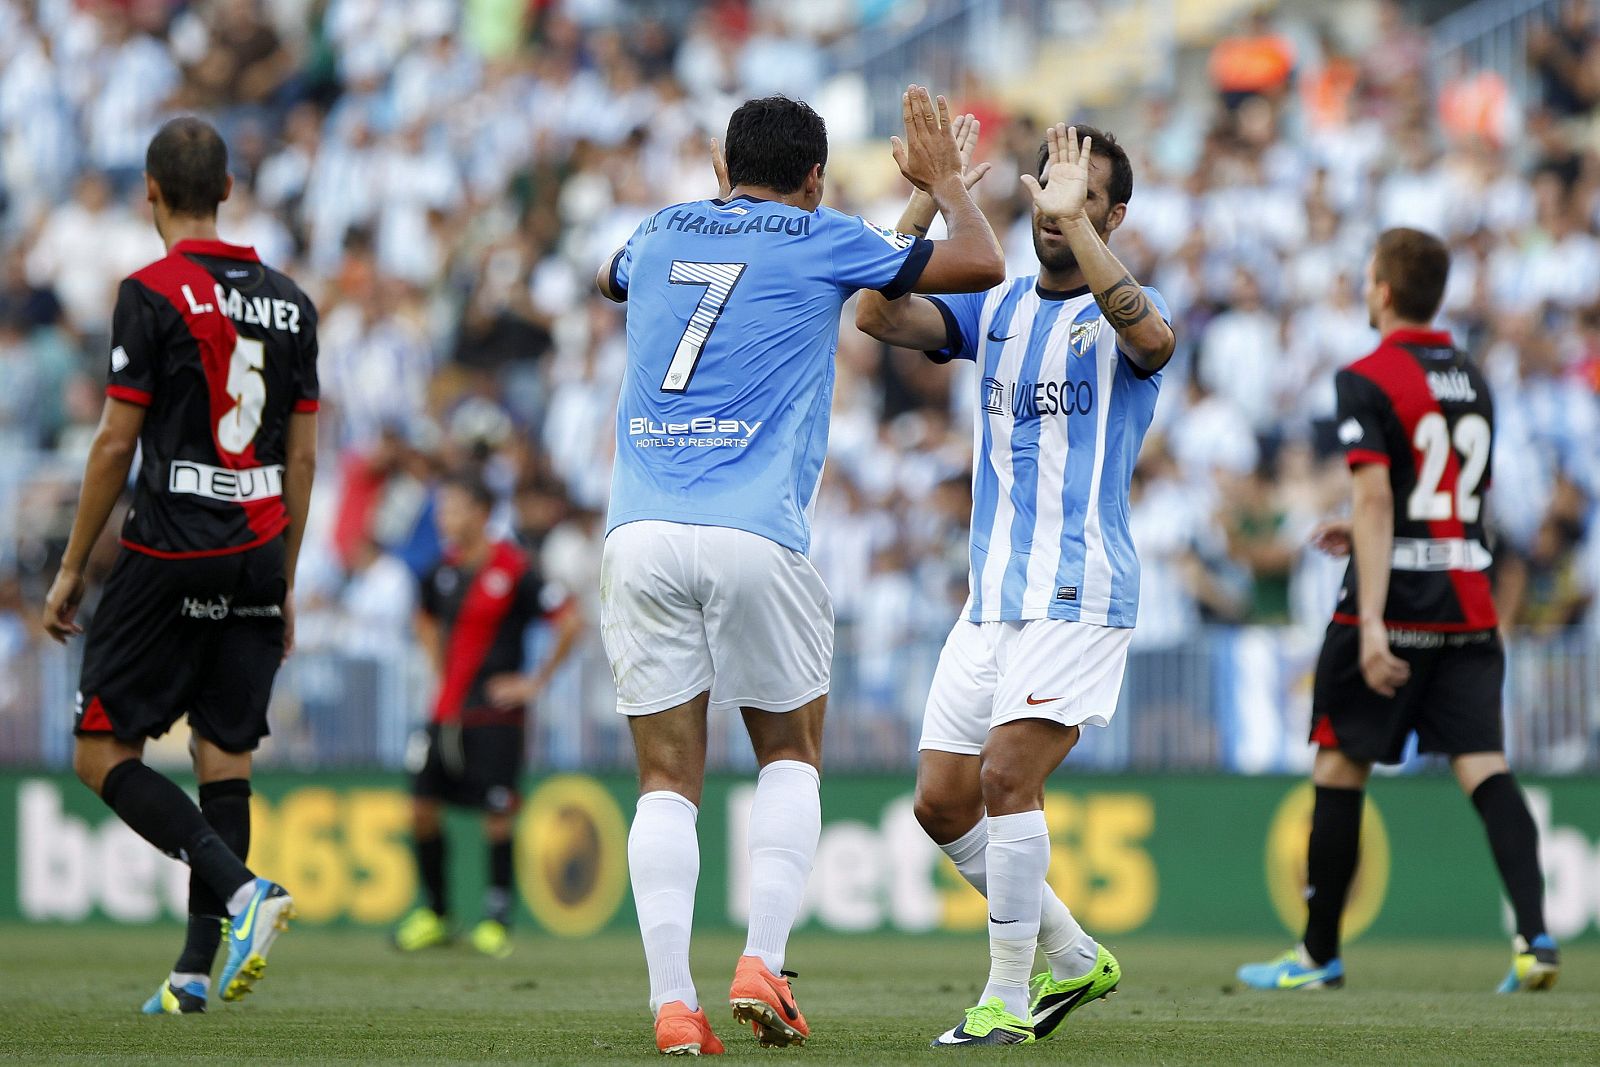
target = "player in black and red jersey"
x: 214, y: 376
x: 475, y: 610
x: 1413, y: 646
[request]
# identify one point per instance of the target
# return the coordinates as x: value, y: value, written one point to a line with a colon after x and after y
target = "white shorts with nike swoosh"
x: 992, y: 673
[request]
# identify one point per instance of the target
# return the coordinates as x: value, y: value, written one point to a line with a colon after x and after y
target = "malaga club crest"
x: 1080, y: 342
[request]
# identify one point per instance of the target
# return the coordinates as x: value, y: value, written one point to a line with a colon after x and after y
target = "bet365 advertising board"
x: 1132, y: 855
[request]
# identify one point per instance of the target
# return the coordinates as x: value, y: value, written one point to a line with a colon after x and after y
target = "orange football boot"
x: 765, y: 1001
x: 681, y: 1032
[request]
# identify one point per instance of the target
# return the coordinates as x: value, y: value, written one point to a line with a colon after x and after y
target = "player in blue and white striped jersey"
x: 1070, y: 362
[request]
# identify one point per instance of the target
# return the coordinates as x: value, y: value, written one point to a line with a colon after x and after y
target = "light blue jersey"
x: 733, y: 319
x: 1061, y: 415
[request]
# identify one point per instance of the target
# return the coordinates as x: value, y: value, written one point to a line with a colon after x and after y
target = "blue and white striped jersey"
x: 1061, y: 416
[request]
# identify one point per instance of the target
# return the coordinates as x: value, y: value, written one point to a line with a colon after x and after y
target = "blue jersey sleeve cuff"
x: 917, y: 257
x: 618, y: 290
x: 953, y: 342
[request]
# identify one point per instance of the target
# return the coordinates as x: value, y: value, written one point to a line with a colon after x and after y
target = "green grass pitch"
x: 71, y: 995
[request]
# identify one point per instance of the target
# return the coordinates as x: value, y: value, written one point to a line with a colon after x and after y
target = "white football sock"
x: 1018, y: 859
x: 1069, y: 951
x: 785, y: 823
x: 664, y: 865
x: 179, y: 979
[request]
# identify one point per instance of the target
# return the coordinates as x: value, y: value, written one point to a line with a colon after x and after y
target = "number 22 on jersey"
x: 719, y: 280
x: 1432, y: 440
x: 248, y: 390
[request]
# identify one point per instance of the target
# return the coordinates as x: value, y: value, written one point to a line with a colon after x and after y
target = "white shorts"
x: 685, y: 609
x: 991, y: 673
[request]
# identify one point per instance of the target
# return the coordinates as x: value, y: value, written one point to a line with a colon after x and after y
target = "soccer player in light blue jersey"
x: 707, y: 599
x: 1070, y: 361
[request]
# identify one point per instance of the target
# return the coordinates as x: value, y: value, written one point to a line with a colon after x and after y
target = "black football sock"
x: 497, y: 899
x: 1514, y: 839
x: 430, y: 868
x: 226, y: 806
x: 157, y: 810
x: 199, y: 945
x: 1330, y: 866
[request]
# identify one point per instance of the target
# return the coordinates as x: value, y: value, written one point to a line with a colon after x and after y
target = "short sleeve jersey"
x: 733, y: 321
x: 483, y: 615
x: 1061, y: 415
x: 221, y: 350
x: 1421, y: 408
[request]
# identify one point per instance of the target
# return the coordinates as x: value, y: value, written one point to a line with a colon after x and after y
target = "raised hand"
x: 1066, y: 179
x: 719, y: 166
x: 928, y: 155
x: 965, y: 131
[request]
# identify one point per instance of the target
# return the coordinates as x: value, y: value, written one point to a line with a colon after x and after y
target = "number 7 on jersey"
x: 719, y: 280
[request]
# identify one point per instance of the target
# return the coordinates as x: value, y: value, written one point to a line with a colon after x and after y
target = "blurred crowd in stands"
x: 444, y: 179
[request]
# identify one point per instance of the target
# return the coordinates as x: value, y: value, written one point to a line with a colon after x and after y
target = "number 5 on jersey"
x: 248, y: 390
x: 719, y: 280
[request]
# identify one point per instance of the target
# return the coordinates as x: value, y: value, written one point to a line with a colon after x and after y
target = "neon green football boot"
x: 987, y: 1024
x: 1053, y: 1001
x: 492, y: 939
x: 422, y: 928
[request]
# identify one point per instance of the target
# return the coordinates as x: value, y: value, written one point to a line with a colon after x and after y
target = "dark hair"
x: 189, y: 163
x: 774, y: 142
x: 1119, y: 187
x: 476, y: 489
x: 1416, y: 266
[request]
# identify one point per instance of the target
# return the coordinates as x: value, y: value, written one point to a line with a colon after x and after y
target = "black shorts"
x: 1451, y: 701
x: 469, y: 766
x: 202, y: 637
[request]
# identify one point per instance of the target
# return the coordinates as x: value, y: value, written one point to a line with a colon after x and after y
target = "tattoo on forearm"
x: 1124, y: 304
x: 923, y: 230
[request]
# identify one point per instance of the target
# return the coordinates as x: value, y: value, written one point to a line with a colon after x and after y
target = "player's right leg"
x: 949, y: 806
x: 785, y: 826
x: 224, y: 779
x: 1461, y: 716
x: 1486, y: 778
x: 427, y: 925
x: 228, y: 712
x: 652, y: 625
x: 769, y: 629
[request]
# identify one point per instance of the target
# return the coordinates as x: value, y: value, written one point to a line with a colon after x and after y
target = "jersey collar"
x: 220, y: 249
x: 1420, y: 338
x: 720, y: 202
x: 1060, y: 294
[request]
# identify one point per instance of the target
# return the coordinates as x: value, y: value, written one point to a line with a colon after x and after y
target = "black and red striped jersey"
x: 483, y: 615
x: 1420, y: 407
x: 220, y: 349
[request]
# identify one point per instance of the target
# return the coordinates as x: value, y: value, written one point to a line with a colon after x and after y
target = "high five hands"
x: 1066, y: 179
x: 929, y: 154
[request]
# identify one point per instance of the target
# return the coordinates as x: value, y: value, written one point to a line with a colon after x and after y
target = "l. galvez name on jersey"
x: 221, y: 350
x: 271, y: 312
